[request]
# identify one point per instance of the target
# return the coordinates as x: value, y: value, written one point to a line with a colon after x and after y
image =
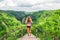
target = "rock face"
x: 26, y: 37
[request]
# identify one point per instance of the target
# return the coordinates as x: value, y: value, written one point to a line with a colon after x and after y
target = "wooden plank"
x: 26, y: 37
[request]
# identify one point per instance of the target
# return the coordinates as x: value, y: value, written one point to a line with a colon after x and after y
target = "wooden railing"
x: 4, y: 37
x: 44, y: 34
x: 11, y: 31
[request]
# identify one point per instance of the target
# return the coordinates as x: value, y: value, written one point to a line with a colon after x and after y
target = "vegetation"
x: 47, y: 24
x: 9, y: 25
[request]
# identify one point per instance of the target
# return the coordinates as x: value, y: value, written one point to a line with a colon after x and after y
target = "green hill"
x: 8, y: 23
x: 47, y: 23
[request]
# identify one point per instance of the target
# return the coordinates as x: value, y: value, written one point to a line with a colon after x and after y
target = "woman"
x: 28, y: 23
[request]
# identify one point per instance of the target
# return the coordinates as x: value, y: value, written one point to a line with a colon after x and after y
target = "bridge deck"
x: 26, y: 37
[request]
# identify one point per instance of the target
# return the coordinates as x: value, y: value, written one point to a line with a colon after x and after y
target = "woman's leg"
x: 28, y: 31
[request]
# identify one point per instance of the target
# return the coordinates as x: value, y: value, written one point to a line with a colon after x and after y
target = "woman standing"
x: 28, y: 23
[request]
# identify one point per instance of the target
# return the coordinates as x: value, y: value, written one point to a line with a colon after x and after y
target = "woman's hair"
x: 28, y: 19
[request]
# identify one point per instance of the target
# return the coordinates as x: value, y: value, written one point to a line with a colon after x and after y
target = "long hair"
x: 28, y: 19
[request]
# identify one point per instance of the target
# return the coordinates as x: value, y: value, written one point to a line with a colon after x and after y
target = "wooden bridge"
x: 26, y: 37
x: 22, y: 36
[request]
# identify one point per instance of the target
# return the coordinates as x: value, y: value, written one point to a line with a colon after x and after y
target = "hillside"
x: 8, y: 23
x: 47, y: 23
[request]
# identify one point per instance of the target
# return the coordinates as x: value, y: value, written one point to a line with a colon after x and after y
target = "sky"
x: 29, y: 5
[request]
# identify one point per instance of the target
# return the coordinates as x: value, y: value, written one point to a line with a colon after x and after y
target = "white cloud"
x: 29, y: 5
x: 57, y: 1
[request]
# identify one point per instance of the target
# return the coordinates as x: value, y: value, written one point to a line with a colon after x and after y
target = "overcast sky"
x: 29, y: 5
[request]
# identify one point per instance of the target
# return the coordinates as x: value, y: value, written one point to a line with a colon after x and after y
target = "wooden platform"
x: 26, y: 37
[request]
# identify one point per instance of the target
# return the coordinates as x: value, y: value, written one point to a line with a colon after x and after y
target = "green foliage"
x: 46, y: 22
x: 49, y: 22
x: 9, y: 23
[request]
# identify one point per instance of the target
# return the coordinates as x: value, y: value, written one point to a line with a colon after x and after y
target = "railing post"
x: 21, y: 32
x: 36, y: 32
x: 44, y: 34
x: 3, y: 38
x: 52, y: 37
x: 14, y: 34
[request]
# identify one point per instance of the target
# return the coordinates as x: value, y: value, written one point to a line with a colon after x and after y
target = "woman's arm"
x: 31, y: 21
x: 26, y: 20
